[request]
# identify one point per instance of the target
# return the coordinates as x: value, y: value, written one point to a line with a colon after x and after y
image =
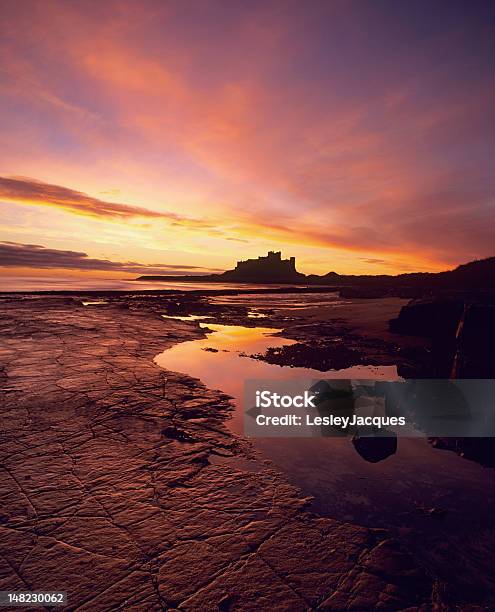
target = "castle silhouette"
x: 269, y: 267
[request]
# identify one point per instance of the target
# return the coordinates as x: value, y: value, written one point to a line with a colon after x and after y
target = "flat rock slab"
x: 107, y: 490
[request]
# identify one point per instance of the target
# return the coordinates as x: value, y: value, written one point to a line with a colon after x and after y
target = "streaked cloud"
x: 15, y: 255
x: 31, y: 191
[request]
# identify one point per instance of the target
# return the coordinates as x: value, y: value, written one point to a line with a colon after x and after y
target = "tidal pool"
x: 401, y: 492
x: 222, y: 361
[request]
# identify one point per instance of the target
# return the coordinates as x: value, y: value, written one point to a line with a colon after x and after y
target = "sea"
x: 27, y: 284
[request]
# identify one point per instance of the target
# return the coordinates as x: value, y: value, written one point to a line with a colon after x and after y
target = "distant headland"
x: 272, y: 269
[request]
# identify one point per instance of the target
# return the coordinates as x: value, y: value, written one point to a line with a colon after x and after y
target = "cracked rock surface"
x: 108, y: 491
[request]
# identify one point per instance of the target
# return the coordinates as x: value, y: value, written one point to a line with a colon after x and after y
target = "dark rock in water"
x: 428, y: 317
x: 374, y: 449
x: 333, y: 398
x: 462, y: 335
x: 415, y: 361
x: 321, y: 357
x: 437, y: 319
x: 475, y: 342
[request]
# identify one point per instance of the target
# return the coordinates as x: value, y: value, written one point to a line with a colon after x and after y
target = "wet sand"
x: 368, y: 317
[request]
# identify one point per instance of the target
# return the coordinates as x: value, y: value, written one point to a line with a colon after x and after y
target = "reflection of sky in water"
x: 60, y: 283
x: 392, y: 493
x: 227, y: 370
x: 284, y: 301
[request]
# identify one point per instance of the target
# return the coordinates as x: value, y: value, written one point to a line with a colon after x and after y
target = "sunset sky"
x: 358, y: 136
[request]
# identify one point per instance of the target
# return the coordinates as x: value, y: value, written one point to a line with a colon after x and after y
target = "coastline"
x: 108, y: 479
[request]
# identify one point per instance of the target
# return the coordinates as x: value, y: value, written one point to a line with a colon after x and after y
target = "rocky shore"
x: 110, y: 491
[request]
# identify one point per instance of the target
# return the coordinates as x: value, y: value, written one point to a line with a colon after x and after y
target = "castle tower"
x: 267, y: 268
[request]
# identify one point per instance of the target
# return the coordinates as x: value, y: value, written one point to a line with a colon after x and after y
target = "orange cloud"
x: 30, y: 191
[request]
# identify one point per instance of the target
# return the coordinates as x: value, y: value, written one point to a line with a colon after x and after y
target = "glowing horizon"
x: 357, y: 137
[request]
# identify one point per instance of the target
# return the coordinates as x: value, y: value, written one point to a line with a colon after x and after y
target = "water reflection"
x: 282, y: 301
x: 221, y: 361
x: 347, y: 399
x: 254, y: 314
x: 389, y: 493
